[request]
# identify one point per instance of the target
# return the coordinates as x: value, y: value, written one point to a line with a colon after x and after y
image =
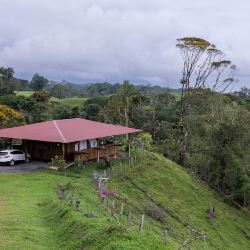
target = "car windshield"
x: 3, y: 153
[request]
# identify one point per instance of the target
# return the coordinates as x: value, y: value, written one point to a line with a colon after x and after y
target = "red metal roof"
x: 65, y: 131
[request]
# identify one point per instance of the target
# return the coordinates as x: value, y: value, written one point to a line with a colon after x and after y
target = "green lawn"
x: 24, y: 93
x: 33, y: 217
x: 72, y: 101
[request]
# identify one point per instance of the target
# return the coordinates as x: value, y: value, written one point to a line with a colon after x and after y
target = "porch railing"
x: 96, y: 153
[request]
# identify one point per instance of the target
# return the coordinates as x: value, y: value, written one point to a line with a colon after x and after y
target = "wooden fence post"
x: 165, y: 237
x: 121, y: 211
x: 113, y: 207
x: 98, y: 155
x: 141, y: 223
x: 129, y: 218
x: 99, y: 183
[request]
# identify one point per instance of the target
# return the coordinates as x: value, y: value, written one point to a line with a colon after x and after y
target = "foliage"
x: 41, y: 96
x: 92, y: 111
x: 201, y: 60
x: 10, y: 117
x: 59, y: 163
x: 6, y: 81
x: 38, y: 82
x: 147, y: 140
x: 60, y: 91
x: 78, y: 164
x: 217, y: 124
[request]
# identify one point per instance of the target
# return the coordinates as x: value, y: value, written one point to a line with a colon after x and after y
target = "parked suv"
x: 12, y: 156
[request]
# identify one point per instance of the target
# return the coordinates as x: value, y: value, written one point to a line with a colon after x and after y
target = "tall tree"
x: 126, y: 91
x: 38, y: 82
x: 60, y: 91
x: 119, y: 106
x: 6, y: 81
x: 201, y: 60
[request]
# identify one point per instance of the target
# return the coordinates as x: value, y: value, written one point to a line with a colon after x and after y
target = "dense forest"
x: 203, y: 128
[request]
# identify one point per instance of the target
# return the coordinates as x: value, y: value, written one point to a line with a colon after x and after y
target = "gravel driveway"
x: 23, y: 167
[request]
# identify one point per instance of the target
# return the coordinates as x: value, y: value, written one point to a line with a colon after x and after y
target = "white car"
x: 12, y: 156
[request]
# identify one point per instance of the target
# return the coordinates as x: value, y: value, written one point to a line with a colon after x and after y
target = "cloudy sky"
x: 114, y: 40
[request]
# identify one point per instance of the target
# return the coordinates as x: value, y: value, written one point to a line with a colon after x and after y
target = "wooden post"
x: 115, y: 150
x: 99, y: 183
x: 98, y: 155
x: 129, y: 146
x: 122, y: 208
x: 63, y: 151
x: 113, y: 207
x: 129, y: 218
x: 141, y: 223
x: 165, y: 237
x: 25, y: 147
x: 110, y: 212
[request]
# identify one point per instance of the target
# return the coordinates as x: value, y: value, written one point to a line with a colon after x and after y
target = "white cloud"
x: 110, y: 40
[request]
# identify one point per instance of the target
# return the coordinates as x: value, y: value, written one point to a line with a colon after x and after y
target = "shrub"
x: 57, y: 162
x: 147, y: 139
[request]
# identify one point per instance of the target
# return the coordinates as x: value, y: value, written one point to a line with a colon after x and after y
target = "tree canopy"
x: 38, y: 82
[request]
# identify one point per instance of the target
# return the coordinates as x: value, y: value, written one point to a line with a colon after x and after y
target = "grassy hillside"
x: 33, y: 217
x: 72, y: 101
x: 171, y: 186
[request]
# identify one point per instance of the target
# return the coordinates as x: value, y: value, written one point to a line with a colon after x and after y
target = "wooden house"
x: 69, y: 139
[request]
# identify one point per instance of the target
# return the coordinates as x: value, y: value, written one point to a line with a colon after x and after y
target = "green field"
x: 24, y: 93
x: 72, y: 101
x: 33, y: 217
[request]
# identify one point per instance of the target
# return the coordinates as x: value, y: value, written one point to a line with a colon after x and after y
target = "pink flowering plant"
x: 108, y: 193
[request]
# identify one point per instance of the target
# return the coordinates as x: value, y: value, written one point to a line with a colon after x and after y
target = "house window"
x: 91, y: 143
x: 82, y: 145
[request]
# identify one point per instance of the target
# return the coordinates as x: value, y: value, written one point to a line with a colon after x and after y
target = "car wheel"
x: 12, y: 163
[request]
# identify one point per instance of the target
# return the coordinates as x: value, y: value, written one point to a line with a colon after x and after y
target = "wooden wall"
x: 42, y: 150
x: 69, y: 151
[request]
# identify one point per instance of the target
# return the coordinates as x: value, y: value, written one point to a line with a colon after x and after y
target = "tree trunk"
x: 183, y: 131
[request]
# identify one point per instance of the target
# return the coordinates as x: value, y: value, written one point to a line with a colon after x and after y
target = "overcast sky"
x: 114, y: 40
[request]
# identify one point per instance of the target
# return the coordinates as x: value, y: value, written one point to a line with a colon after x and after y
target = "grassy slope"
x: 32, y: 217
x: 173, y: 187
x: 73, y: 101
